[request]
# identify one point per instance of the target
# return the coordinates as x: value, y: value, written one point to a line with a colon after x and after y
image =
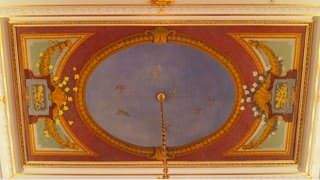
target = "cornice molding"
x: 5, y: 150
x: 209, y: 10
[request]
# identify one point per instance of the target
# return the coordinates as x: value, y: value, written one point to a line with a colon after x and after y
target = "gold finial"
x: 160, y: 35
x: 161, y: 4
x: 161, y: 97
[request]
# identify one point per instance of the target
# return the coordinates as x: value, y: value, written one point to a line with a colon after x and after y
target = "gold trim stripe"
x: 175, y: 4
x: 157, y: 164
x: 105, y: 23
x: 166, y: 15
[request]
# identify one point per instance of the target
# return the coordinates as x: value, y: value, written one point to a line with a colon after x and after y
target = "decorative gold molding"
x: 146, y: 5
x: 262, y: 96
x: 266, y: 132
x: 3, y: 99
x: 144, y: 9
x: 52, y: 131
x: 44, y: 65
x: 160, y: 35
x: 161, y: 4
x: 34, y: 151
x: 59, y: 95
x: 159, y: 22
x: 148, y: 37
x: 172, y: 164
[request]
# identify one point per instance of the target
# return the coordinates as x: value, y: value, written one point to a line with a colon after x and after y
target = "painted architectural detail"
x: 283, y: 96
x: 160, y: 35
x: 161, y: 3
x: 271, y: 95
x: 232, y: 93
x: 49, y: 96
x: 38, y: 96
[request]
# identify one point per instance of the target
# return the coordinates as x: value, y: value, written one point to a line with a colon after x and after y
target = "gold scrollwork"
x: 58, y: 96
x: 265, y: 134
x: 281, y: 96
x: 44, y: 66
x: 273, y: 59
x: 263, y: 96
x: 159, y: 155
x: 38, y: 97
x: 161, y: 3
x: 161, y: 35
x: 52, y: 131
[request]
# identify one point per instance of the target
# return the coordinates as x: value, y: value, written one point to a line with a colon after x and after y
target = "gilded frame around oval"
x: 159, y: 35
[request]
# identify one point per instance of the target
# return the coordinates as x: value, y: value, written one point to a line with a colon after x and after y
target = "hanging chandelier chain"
x: 161, y: 98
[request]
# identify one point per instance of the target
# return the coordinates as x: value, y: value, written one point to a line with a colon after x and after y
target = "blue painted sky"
x: 120, y: 94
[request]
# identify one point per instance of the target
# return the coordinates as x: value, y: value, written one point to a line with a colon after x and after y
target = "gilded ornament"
x: 158, y: 154
x: 281, y: 96
x: 46, y: 134
x: 269, y: 128
x: 161, y: 2
x: 58, y: 97
x: 65, y: 108
x: 3, y: 99
x: 44, y: 65
x: 38, y: 97
x: 76, y: 76
x: 262, y: 96
x: 70, y: 123
x: 70, y: 99
x: 160, y: 35
x: 67, y: 89
x: 293, y: 96
x: 52, y: 131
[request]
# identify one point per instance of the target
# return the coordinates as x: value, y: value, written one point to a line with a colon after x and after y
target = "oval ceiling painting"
x: 120, y: 94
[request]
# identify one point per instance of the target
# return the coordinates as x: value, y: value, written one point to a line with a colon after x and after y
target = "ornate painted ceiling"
x: 89, y: 93
x: 160, y: 96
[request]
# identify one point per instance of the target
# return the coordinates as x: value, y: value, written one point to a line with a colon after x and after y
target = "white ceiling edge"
x: 14, y: 8
x: 228, y: 177
x: 205, y: 10
x: 6, y: 145
x: 310, y: 160
x: 159, y: 20
x: 132, y: 2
